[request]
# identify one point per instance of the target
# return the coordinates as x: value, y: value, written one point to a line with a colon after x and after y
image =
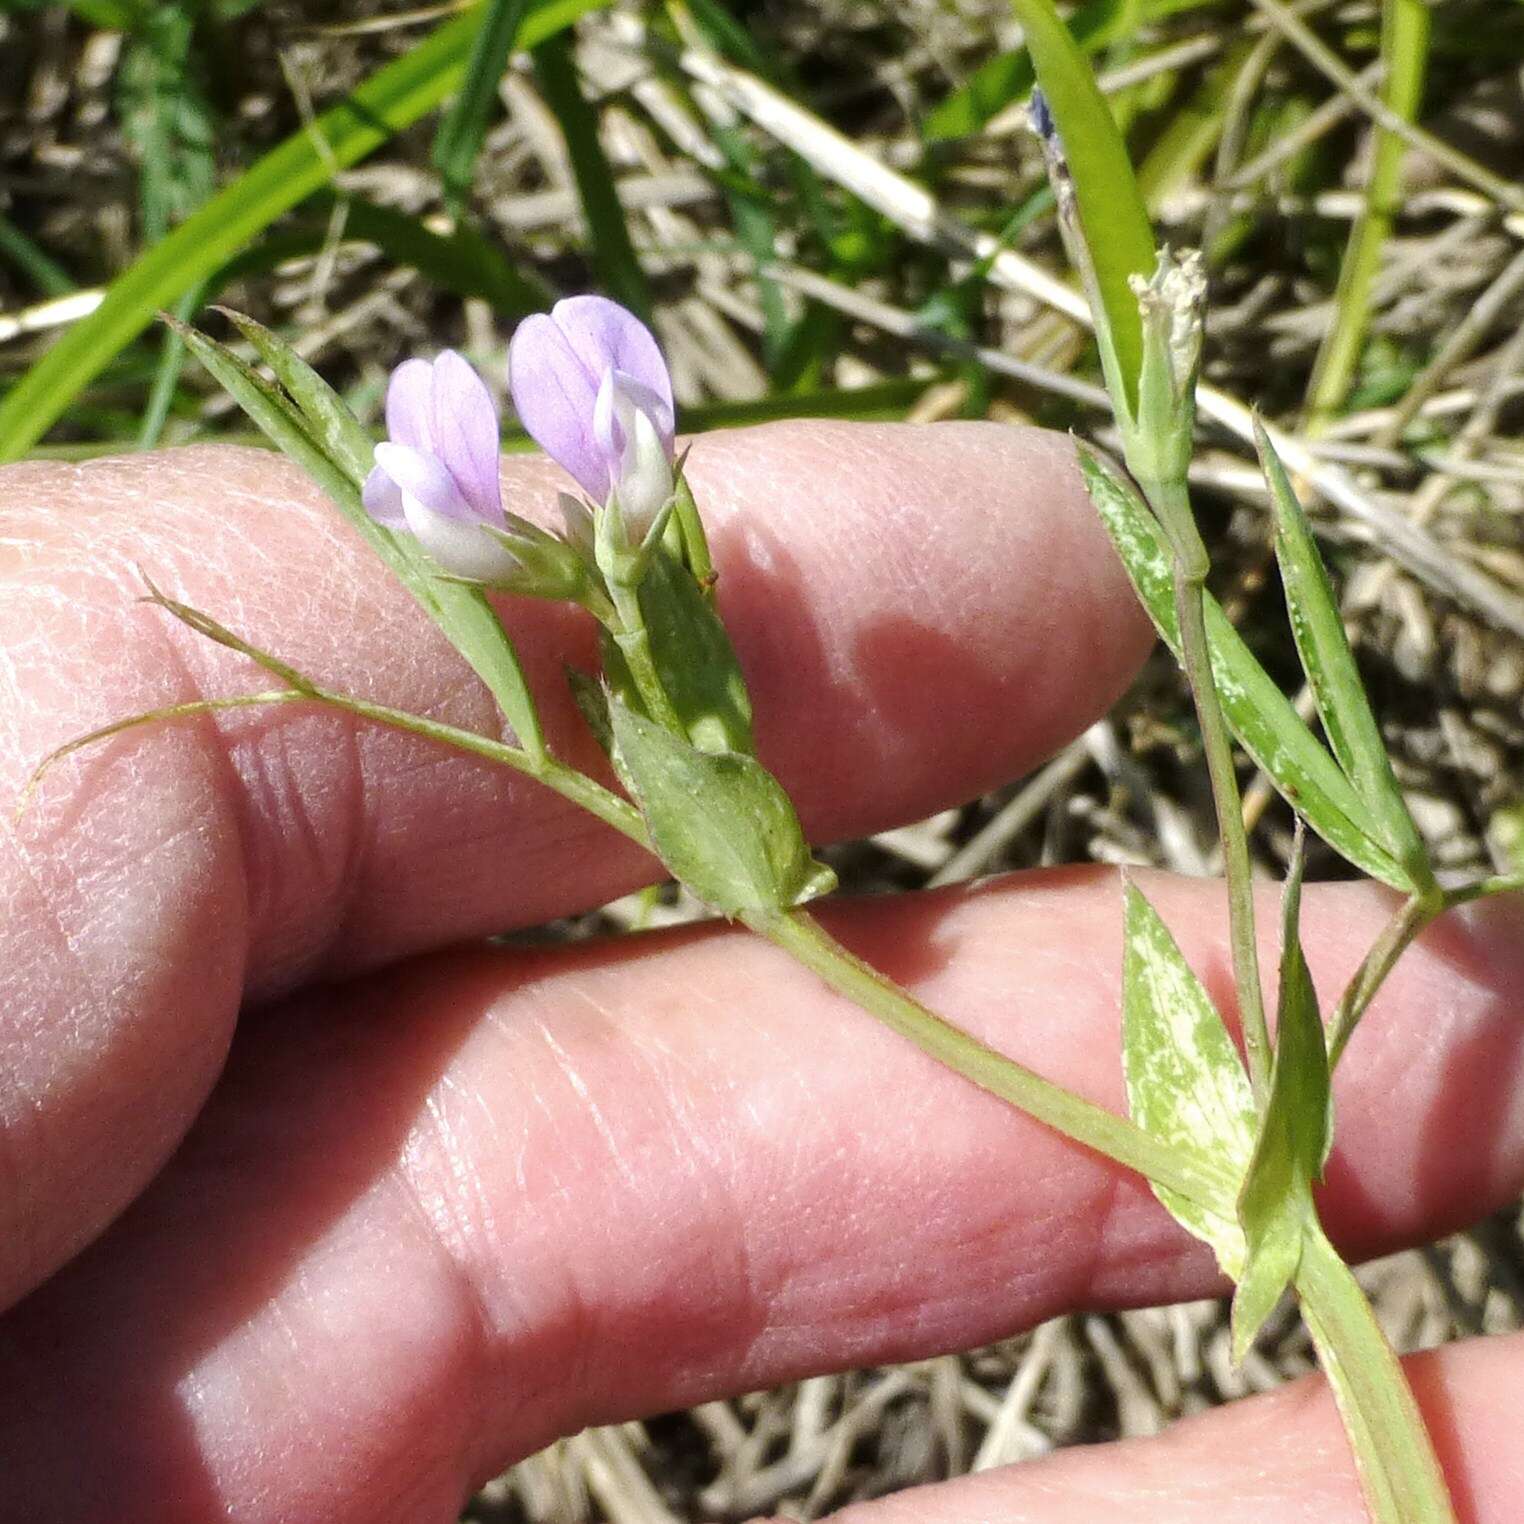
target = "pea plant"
x: 1232, y: 1141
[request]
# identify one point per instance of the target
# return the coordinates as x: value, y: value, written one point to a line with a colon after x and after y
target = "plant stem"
x: 1485, y: 888
x: 1172, y: 504
x: 1416, y: 913
x: 631, y: 636
x: 804, y: 939
x: 1399, y: 1472
x: 581, y: 790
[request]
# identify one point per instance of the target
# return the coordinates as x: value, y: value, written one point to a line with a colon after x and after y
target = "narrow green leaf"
x: 1185, y: 1081
x: 336, y: 429
x: 1275, y: 1207
x: 1331, y: 671
x: 39, y: 267
x: 166, y: 118
x: 719, y: 821
x: 109, y: 15
x: 313, y: 432
x: 1262, y: 717
x: 390, y: 100
x: 464, y: 126
x: 273, y: 414
x: 613, y: 255
x: 463, y: 260
x: 694, y: 658
x: 1112, y: 216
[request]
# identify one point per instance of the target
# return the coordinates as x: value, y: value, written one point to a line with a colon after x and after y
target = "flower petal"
x: 410, y: 405
x: 466, y: 434
x: 645, y: 479
x: 620, y: 396
x: 604, y: 336
x: 462, y: 547
x: 383, y: 499
x: 424, y: 479
x: 554, y: 394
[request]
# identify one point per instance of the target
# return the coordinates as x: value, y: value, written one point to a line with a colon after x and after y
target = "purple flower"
x: 436, y: 477
x: 592, y: 390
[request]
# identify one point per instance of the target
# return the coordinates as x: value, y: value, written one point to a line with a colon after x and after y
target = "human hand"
x: 436, y: 1208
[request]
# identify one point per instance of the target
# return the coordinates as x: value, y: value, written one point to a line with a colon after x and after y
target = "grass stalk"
x: 1405, y: 29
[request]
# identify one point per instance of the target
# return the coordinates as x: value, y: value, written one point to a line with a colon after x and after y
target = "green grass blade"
x: 464, y: 125
x: 390, y: 100
x: 166, y: 118
x: 1187, y: 140
x: 111, y: 15
x: 1330, y: 666
x: 464, y: 260
x: 1113, y: 220
x: 613, y: 255
x: 39, y: 267
x: 1404, y: 53
x: 1261, y: 716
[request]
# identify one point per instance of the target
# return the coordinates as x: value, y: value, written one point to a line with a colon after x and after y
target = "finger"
x: 911, y: 606
x: 490, y: 1200
x: 1274, y: 1459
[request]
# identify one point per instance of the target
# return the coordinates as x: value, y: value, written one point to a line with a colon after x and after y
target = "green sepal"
x: 1186, y: 1084
x: 321, y: 435
x: 1318, y: 628
x: 549, y: 567
x: 720, y: 821
x: 1262, y: 717
x: 694, y: 658
x: 640, y: 562
x: 1275, y: 1207
x: 693, y: 542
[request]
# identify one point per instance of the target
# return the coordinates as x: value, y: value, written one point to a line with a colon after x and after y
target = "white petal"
x: 461, y: 547
x: 645, y: 474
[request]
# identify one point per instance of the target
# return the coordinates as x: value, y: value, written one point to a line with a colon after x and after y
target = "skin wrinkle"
x: 85, y: 1029
x: 485, y: 1332
x: 651, y: 1145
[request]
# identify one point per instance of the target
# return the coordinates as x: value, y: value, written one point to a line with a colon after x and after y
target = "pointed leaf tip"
x: 1318, y: 627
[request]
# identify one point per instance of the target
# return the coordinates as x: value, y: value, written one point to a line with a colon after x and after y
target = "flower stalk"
x: 804, y: 939
x: 1157, y: 438
x: 1171, y: 498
